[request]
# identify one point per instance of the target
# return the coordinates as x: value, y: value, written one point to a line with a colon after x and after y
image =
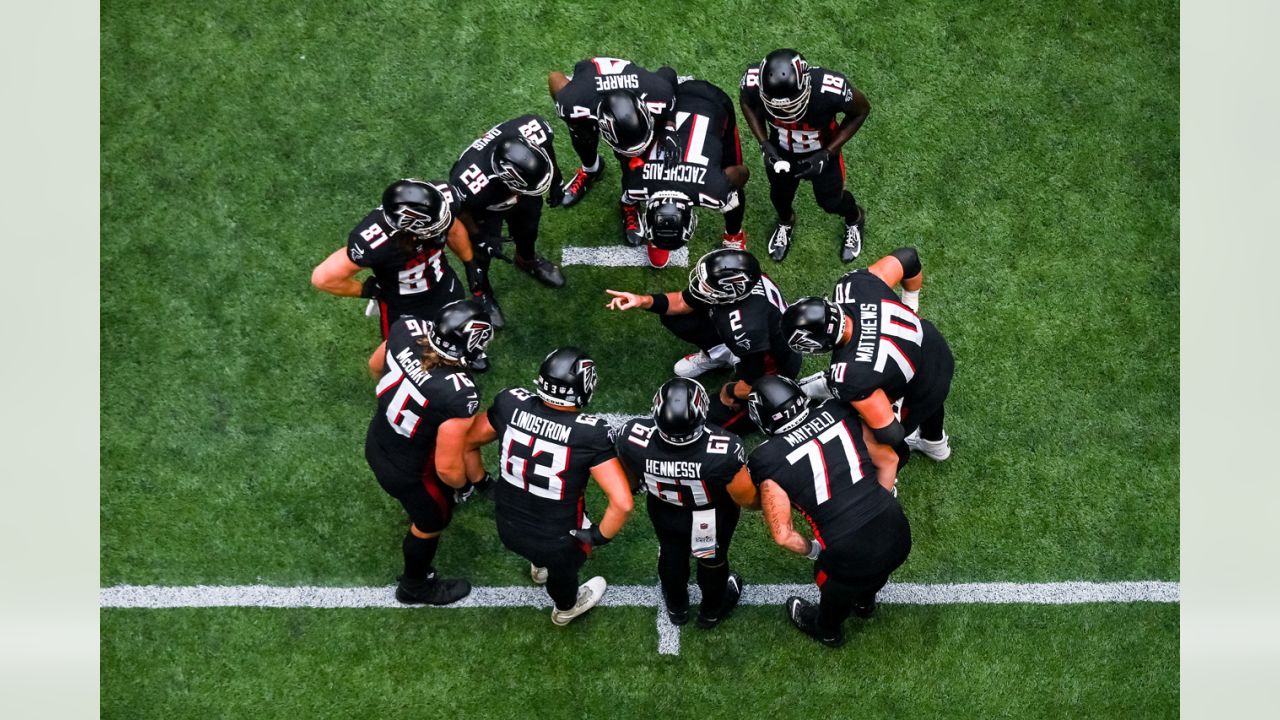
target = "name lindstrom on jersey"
x: 617, y: 82
x: 540, y: 426
x: 679, y: 173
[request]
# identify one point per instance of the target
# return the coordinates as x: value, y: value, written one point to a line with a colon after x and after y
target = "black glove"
x: 555, y: 196
x: 670, y: 152
x: 813, y: 165
x: 490, y: 245
x: 477, y: 279
x: 770, y: 154
x: 472, y: 489
x: 370, y: 288
x: 591, y: 537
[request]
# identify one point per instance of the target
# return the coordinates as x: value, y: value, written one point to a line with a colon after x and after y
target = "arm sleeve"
x: 600, y: 448
x: 758, y: 468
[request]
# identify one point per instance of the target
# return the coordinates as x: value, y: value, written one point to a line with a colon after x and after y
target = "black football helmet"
x: 813, y: 325
x: 784, y: 84
x: 525, y: 168
x: 625, y: 122
x: 567, y: 377
x: 724, y: 276
x: 680, y: 410
x: 460, y: 331
x: 777, y: 404
x: 669, y: 220
x: 416, y: 207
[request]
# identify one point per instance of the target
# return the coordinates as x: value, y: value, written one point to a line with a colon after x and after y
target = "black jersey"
x: 474, y: 179
x: 752, y: 330
x: 706, y: 132
x: 412, y: 402
x: 830, y: 93
x: 693, y: 476
x: 892, y: 348
x: 593, y: 77
x: 546, y: 456
x: 413, y: 277
x: 824, y: 466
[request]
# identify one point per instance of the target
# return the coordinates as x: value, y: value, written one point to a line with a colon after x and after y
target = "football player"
x: 415, y: 443
x: 696, y: 477
x: 501, y: 177
x: 707, y: 172
x: 620, y: 100
x: 549, y: 449
x: 731, y: 312
x: 402, y: 241
x: 819, y: 459
x: 802, y: 140
x: 883, y: 352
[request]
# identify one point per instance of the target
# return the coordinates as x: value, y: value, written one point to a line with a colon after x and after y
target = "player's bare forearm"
x: 336, y: 275
x: 743, y: 491
x: 855, y: 114
x: 777, y: 515
x: 627, y: 301
x: 754, y: 123
x: 480, y: 433
x: 556, y: 81
x: 613, y: 480
x: 459, y: 241
x: 738, y: 175
x: 449, y: 452
x: 883, y: 457
x: 475, y: 465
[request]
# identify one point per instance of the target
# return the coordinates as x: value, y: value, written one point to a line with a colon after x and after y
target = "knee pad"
x: 910, y: 260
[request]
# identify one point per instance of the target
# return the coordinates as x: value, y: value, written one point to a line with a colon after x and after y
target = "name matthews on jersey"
x: 673, y: 468
x: 541, y: 426
x: 867, y: 338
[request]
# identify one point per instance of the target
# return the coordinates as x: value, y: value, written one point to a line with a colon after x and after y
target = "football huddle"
x: 832, y: 443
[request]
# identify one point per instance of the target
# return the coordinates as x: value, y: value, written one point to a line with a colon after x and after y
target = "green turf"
x: 1030, y: 151
x: 982, y: 662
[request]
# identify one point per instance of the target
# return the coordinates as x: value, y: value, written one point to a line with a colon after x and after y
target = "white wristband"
x: 814, y: 549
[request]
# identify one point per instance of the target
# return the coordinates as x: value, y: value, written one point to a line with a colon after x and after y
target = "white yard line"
x: 618, y: 256
x: 268, y: 596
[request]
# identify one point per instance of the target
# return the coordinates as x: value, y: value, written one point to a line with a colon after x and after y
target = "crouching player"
x: 821, y: 461
x: 426, y: 400
x: 696, y: 478
x: 550, y: 448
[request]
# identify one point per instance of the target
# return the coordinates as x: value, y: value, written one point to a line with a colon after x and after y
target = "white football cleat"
x: 589, y: 593
x: 539, y: 575
x: 936, y: 450
x: 371, y: 310
x: 815, y: 387
x: 695, y: 364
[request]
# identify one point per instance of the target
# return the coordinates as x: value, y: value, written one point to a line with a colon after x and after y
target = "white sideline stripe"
x: 619, y: 256
x: 267, y: 596
x: 615, y: 419
x: 668, y: 634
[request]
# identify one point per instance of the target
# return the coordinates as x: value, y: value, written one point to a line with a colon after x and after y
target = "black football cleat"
x: 631, y: 233
x: 780, y: 240
x: 494, y: 310
x: 542, y: 270
x: 678, y: 617
x: 431, y: 591
x: 732, y: 594
x: 577, y: 187
x: 804, y: 615
x: 851, y: 243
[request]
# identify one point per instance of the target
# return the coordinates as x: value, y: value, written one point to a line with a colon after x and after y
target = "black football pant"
x: 850, y: 573
x: 562, y: 557
x: 522, y: 221
x: 674, y: 528
x: 828, y: 190
x: 585, y: 137
x: 427, y: 501
x: 696, y: 329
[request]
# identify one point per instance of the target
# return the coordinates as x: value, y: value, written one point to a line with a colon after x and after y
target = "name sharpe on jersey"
x: 617, y: 82
x: 679, y: 173
x: 673, y: 469
x: 541, y: 426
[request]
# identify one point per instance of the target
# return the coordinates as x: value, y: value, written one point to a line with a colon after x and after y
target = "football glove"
x: 812, y: 166
x: 591, y: 537
x: 370, y: 288
x: 490, y: 245
x: 477, y: 280
x: 555, y: 196
x: 770, y: 154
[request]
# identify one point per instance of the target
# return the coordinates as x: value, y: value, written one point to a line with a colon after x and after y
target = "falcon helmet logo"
x: 735, y: 284
x: 415, y: 222
x: 803, y: 341
x: 587, y: 368
x: 478, y: 334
